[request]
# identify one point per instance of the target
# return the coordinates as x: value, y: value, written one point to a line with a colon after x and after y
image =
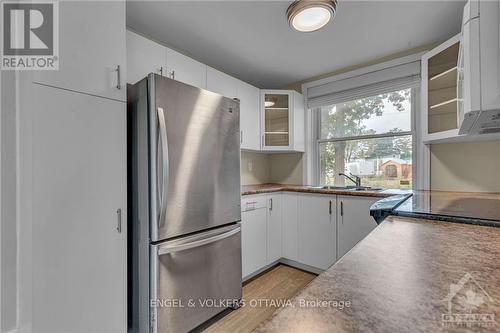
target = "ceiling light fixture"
x: 310, y: 15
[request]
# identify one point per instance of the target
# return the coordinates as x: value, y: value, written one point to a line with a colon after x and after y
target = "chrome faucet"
x: 356, y: 180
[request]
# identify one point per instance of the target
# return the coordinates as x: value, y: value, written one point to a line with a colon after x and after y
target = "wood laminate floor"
x: 279, y: 283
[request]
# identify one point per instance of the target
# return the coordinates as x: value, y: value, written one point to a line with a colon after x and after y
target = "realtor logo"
x: 469, y: 305
x: 30, y: 39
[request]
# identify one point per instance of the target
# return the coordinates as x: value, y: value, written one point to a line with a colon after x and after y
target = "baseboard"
x: 260, y: 271
x: 288, y: 262
x: 301, y: 266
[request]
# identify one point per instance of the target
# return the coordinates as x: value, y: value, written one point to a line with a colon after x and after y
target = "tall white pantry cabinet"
x: 73, y: 178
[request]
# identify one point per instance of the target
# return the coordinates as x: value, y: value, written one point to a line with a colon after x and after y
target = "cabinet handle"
x: 118, y: 78
x: 172, y: 75
x: 330, y: 207
x: 271, y: 204
x: 342, y: 208
x: 161, y: 71
x: 241, y: 136
x: 119, y: 221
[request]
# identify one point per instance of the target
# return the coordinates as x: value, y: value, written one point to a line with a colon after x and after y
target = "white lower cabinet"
x: 314, y: 230
x: 353, y: 221
x: 316, y: 225
x: 79, y: 277
x: 253, y: 234
x: 274, y: 227
x: 290, y: 236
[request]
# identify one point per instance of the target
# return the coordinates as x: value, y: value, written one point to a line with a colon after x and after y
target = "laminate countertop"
x: 408, y: 275
x: 269, y: 188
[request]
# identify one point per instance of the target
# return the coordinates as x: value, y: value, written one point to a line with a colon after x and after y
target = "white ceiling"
x: 251, y: 40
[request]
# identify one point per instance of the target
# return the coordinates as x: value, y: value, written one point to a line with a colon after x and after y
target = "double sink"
x: 350, y: 188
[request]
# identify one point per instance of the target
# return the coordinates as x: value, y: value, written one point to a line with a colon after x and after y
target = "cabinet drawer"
x: 252, y: 203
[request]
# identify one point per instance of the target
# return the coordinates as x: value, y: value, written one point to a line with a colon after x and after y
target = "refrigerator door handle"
x: 166, y: 249
x: 162, y: 143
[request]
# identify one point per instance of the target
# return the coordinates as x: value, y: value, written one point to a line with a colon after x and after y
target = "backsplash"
x: 466, y: 167
x: 260, y: 168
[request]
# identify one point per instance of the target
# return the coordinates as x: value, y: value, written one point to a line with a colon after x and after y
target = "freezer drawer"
x: 194, y: 278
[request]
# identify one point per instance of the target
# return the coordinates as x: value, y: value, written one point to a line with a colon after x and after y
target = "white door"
x: 249, y: 97
x: 79, y: 183
x: 143, y: 57
x: 221, y: 83
x: 274, y: 227
x: 185, y: 69
x: 354, y: 221
x: 253, y: 241
x: 316, y: 215
x: 91, y: 47
x: 290, y: 226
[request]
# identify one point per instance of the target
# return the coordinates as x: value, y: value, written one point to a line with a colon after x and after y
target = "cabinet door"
x: 185, y: 69
x: 298, y: 121
x: 143, y: 57
x: 253, y: 240
x: 221, y: 83
x: 91, y: 46
x: 439, y: 91
x: 490, y: 53
x: 354, y: 221
x: 249, y: 97
x: 274, y: 227
x: 317, y: 238
x: 276, y: 119
x: 290, y: 226
x: 79, y: 183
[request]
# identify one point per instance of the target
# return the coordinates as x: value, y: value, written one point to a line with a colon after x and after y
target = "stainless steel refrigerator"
x: 184, y: 199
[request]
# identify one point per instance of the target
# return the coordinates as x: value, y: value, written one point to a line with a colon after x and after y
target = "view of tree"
x: 349, y: 120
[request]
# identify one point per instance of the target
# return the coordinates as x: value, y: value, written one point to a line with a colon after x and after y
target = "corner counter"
x: 408, y: 275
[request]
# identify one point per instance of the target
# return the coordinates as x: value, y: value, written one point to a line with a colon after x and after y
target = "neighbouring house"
x: 396, y: 168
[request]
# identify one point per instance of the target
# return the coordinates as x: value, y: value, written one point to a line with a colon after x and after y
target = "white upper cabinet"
x: 249, y: 97
x: 439, y: 91
x: 185, y: 69
x: 274, y: 227
x: 282, y: 120
x: 91, y: 47
x: 353, y: 221
x: 490, y: 53
x: 222, y: 83
x: 317, y: 232
x: 143, y: 57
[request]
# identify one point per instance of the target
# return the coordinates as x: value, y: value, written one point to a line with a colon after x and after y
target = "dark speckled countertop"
x: 408, y: 275
x: 268, y: 188
x: 451, y: 206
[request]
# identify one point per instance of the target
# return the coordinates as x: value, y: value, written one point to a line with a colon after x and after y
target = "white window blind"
x: 369, y: 84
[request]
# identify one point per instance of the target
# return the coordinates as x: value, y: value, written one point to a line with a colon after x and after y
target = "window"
x: 370, y: 137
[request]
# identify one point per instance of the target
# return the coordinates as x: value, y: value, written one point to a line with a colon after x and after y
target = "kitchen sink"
x: 351, y: 188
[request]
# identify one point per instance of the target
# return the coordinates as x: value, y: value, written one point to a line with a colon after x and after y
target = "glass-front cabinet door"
x: 276, y: 119
x: 439, y: 96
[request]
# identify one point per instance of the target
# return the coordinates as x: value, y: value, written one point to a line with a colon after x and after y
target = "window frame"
x: 317, y: 140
